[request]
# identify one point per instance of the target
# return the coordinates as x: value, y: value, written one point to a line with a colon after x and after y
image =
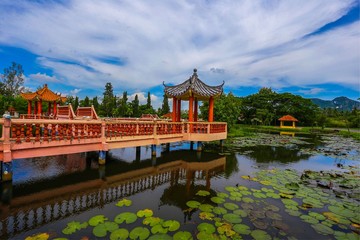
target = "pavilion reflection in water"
x: 71, y: 194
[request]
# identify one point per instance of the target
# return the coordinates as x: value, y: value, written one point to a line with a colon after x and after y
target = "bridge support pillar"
x: 199, y: 146
x: 6, y: 192
x: 6, y: 171
x: 138, y: 153
x: 102, y: 157
x: 153, y: 160
x: 167, y: 147
x: 191, y: 145
x: 153, y: 150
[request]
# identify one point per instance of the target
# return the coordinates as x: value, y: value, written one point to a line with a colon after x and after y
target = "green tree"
x: 123, y: 108
x: 109, y: 101
x: 76, y: 103
x: 165, y: 108
x: 85, y: 102
x: 12, y: 80
x: 136, y: 107
x: 96, y: 104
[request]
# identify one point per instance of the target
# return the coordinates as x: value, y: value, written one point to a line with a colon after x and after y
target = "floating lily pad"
x: 322, y: 229
x: 140, y: 233
x: 159, y: 229
x: 127, y: 217
x: 273, y: 215
x: 309, y: 219
x: 94, y: 221
x: 38, y: 236
x: 206, y: 227
x: 206, y: 216
x: 74, y: 226
x: 226, y: 229
x: 245, y: 193
x: 248, y: 200
x: 206, y: 207
x: 102, y: 229
x: 222, y: 195
x: 317, y: 216
x: 219, y: 210
x: 260, y: 224
x: 265, y: 182
x: 182, y: 235
x: 240, y: 212
x: 231, y: 206
x: 203, y: 193
x: 259, y: 195
x: 342, y: 211
x: 292, y: 186
x: 289, y: 202
x: 217, y: 200
x: 242, y: 229
x: 232, y: 218
x: 242, y: 188
x: 144, y: 213
x: 260, y: 235
x: 119, y: 234
x: 273, y: 195
x: 124, y: 202
x: 172, y: 225
x: 152, y: 221
x: 161, y: 236
x: 231, y: 189
x: 193, y: 204
x: 206, y: 236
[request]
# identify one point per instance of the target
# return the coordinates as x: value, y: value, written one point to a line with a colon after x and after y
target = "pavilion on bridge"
x: 43, y: 95
x: 193, y: 90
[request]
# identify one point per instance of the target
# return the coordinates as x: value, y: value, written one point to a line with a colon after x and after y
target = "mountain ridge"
x: 340, y: 103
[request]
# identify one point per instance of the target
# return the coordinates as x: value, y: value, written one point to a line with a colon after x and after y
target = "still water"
x: 49, y: 192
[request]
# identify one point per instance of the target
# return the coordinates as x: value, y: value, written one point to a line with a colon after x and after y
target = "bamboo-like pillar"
x: 178, y: 110
x: 191, y: 109
x: 196, y: 110
x: 174, y: 109
x: 211, y: 109
x: 29, y: 107
x: 293, y: 124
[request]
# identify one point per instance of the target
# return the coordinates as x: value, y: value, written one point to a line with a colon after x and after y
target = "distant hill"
x: 341, y: 103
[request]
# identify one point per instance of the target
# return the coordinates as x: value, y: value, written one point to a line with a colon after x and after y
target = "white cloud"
x: 156, y: 101
x: 74, y: 92
x: 43, y: 78
x: 138, y: 44
x: 311, y: 91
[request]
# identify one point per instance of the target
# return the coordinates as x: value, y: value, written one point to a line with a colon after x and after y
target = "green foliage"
x: 85, y: 102
x: 165, y: 108
x: 109, y: 101
x: 12, y: 80
x: 76, y: 103
x: 136, y: 107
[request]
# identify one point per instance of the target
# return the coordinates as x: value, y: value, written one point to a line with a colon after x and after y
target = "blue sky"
x: 308, y: 48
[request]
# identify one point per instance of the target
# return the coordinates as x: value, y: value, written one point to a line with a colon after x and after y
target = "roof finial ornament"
x: 195, y: 70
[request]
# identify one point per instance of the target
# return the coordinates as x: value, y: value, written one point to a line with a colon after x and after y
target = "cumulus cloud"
x: 156, y: 101
x: 74, y: 92
x: 138, y: 44
x: 311, y: 91
x: 43, y: 77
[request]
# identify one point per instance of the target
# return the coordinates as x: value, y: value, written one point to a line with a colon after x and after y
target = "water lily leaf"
x: 152, y: 221
x: 322, y: 229
x: 260, y: 235
x: 38, y: 236
x: 203, y: 193
x: 74, y: 226
x: 206, y: 216
x: 124, y: 202
x: 119, y: 234
x: 94, y: 221
x: 206, y: 227
x: 313, y: 202
x: 206, y: 207
x: 101, y: 229
x: 219, y: 210
x: 242, y: 229
x: 309, y: 219
x: 273, y: 195
x: 206, y: 236
x: 161, y: 236
x: 292, y: 186
x: 273, y: 215
x: 289, y: 202
x: 294, y: 213
x: 246, y: 193
x: 140, y: 233
x: 259, y: 195
x: 231, y: 189
x: 284, y: 195
x: 235, y: 194
x: 342, y: 211
x: 144, y: 213
x: 265, y: 182
x: 317, y: 216
x: 231, y: 206
x: 222, y: 195
x: 217, y: 200
x: 183, y: 235
x: 127, y: 217
x: 260, y: 224
x: 242, y: 188
x: 226, y: 229
x: 240, y: 212
x: 267, y: 190
x: 172, y: 225
x: 232, y: 218
x: 158, y: 229
x: 193, y: 204
x: 248, y: 200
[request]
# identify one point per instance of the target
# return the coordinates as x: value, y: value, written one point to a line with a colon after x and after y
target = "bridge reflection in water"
x: 28, y: 205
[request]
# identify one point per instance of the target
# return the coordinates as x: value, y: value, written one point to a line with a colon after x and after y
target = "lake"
x: 247, y: 189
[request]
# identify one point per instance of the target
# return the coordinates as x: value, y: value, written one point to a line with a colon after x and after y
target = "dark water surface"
x: 49, y: 192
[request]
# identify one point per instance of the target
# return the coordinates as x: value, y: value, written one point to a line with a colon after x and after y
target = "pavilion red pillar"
x: 35, y: 107
x: 38, y: 108
x: 211, y: 109
x: 196, y: 110
x: 49, y: 108
x: 55, y: 108
x: 178, y: 110
x: 191, y: 109
x: 29, y: 107
x: 174, y: 109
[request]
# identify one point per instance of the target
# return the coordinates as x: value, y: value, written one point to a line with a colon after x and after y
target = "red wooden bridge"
x: 27, y: 138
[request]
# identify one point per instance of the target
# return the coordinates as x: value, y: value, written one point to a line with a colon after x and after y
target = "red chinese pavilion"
x: 193, y: 90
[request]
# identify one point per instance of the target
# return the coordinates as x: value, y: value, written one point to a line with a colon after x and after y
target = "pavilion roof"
x: 195, y: 87
x: 44, y: 94
x: 288, y: 118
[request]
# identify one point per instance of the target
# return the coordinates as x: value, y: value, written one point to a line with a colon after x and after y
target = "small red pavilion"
x: 287, y: 118
x: 43, y: 95
x: 193, y: 90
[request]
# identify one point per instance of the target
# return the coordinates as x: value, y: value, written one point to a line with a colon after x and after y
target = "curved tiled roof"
x: 193, y: 86
x: 44, y: 94
x: 288, y: 118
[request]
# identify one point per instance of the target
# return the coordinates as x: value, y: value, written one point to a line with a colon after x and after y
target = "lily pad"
x: 219, y: 210
x: 342, y: 211
x: 206, y: 216
x: 231, y: 206
x: 96, y: 220
x: 242, y: 229
x: 292, y: 186
x: 231, y: 189
x: 259, y: 195
x: 317, y: 216
x: 206, y: 227
x: 232, y: 218
x: 38, y: 236
x: 242, y: 188
x: 158, y: 229
x: 172, y: 225
x: 206, y: 207
x: 119, y: 234
x: 161, y: 236
x: 309, y: 219
x: 102, y: 229
x: 260, y: 235
x: 226, y: 229
x: 248, y: 200
x: 127, y: 217
x: 183, y: 235
x: 217, y: 200
x: 74, y: 226
x: 322, y: 229
x: 144, y: 213
x: 203, y: 193
x: 140, y: 233
x: 240, y: 212
x: 152, y: 221
x: 193, y: 204
x: 222, y: 195
x: 124, y: 202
